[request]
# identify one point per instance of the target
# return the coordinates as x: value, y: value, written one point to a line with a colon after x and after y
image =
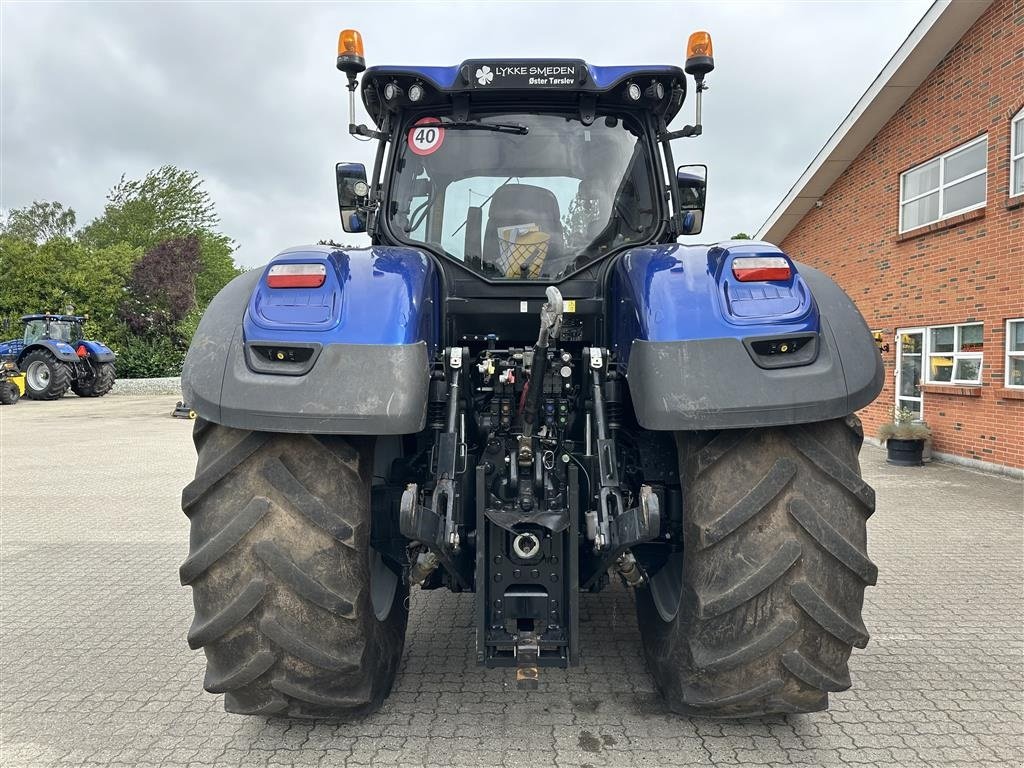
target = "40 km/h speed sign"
x: 426, y: 136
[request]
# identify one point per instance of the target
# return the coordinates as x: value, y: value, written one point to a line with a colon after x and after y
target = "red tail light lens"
x: 82, y: 351
x: 296, y: 276
x: 749, y: 269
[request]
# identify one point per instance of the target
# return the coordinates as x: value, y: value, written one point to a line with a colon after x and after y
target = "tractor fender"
x: 59, y: 349
x: 695, y: 342
x: 348, y: 357
x: 98, y: 352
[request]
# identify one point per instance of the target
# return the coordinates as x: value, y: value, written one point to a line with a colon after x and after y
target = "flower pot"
x: 904, y: 453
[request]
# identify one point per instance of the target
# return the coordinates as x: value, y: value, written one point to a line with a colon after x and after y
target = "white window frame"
x: 956, y: 354
x: 898, y: 373
x: 1010, y: 354
x: 943, y: 184
x: 1016, y: 126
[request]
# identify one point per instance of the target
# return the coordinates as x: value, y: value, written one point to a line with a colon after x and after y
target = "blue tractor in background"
x: 54, y: 355
x: 526, y: 388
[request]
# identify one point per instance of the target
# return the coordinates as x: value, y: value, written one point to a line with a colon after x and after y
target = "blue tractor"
x: 527, y: 388
x: 54, y: 355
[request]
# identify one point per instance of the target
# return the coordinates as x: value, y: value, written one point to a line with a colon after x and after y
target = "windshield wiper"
x: 522, y: 130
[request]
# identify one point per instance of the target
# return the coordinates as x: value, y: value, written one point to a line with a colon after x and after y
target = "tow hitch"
x: 527, y: 535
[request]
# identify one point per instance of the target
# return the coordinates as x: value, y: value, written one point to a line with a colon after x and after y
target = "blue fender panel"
x: 377, y: 295
x: 685, y: 326
x: 63, y: 352
x: 371, y: 326
x: 681, y: 293
x: 98, y: 351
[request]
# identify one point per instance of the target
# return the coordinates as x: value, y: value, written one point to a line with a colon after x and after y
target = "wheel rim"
x: 383, y: 583
x: 38, y: 375
x: 667, y: 587
x: 383, y: 580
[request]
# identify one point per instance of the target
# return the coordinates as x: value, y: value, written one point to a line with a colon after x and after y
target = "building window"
x: 1015, y: 353
x: 954, y: 354
x: 1017, y: 155
x: 950, y: 184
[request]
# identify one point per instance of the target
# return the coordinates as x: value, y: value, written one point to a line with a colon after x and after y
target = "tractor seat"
x: 515, y: 204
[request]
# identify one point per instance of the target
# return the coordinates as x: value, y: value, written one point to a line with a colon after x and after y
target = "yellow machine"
x: 12, y: 383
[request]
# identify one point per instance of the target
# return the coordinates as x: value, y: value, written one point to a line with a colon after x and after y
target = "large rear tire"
x: 280, y: 566
x: 46, y: 377
x: 97, y: 384
x: 759, y: 613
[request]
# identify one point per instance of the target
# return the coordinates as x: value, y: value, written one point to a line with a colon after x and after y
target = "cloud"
x: 247, y: 94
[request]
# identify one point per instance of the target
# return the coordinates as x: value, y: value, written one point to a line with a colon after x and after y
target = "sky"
x: 247, y: 94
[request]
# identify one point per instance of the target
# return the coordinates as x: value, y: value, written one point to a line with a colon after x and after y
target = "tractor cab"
x: 525, y: 170
x: 63, y: 328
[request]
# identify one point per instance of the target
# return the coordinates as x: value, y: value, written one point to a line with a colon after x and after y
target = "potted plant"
x: 904, y: 438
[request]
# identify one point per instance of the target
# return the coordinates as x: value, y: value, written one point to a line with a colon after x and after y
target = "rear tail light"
x: 296, y: 276
x: 748, y: 269
x: 82, y: 351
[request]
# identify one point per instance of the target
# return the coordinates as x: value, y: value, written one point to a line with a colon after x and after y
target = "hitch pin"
x: 527, y: 678
x: 527, y: 653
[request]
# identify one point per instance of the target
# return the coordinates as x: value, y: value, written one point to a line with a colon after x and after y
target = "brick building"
x: 915, y: 206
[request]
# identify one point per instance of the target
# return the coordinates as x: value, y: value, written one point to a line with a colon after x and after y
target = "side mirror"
x: 692, y: 182
x: 352, y: 195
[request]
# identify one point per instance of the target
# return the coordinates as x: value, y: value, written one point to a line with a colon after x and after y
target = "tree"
x: 218, y: 267
x: 39, y: 222
x: 162, y: 286
x: 741, y: 236
x: 168, y: 202
x: 578, y: 222
x: 143, y: 271
x: 48, y: 277
x: 159, y: 309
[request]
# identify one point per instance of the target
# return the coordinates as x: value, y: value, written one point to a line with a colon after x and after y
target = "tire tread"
x: 722, y: 657
x: 762, y: 494
x: 204, y: 632
x: 748, y: 586
x: 246, y: 671
x: 833, y: 541
x: 304, y: 585
x: 773, y: 574
x: 279, y: 477
x: 815, y: 675
x: 279, y: 568
x: 224, y: 540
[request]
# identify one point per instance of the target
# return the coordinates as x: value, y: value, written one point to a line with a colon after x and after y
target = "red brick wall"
x: 971, y: 271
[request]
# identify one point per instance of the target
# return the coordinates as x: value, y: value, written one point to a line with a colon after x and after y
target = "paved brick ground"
x: 94, y: 669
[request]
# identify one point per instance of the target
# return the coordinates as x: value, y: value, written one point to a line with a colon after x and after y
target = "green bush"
x: 148, y: 357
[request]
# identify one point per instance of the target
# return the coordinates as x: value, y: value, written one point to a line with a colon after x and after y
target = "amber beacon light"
x: 351, y: 59
x: 699, y: 55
